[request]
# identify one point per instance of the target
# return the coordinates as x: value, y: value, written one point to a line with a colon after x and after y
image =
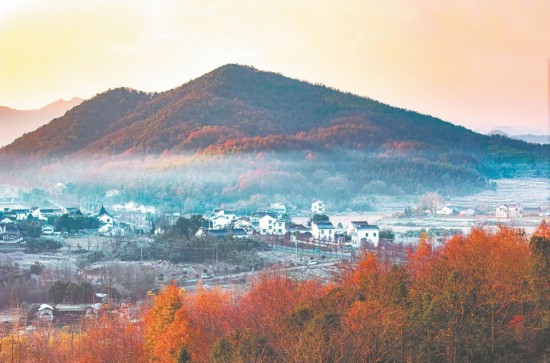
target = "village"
x: 51, y: 241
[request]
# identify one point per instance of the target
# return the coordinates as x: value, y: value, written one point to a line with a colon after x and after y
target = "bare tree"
x: 431, y: 201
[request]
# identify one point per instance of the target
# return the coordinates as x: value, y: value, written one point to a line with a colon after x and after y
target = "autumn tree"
x: 111, y: 339
x: 166, y: 326
x: 472, y: 291
x: 540, y: 284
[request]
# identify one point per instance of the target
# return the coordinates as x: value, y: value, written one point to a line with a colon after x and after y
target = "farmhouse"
x: 323, y: 230
x: 508, y: 211
x: 16, y: 212
x: 318, y: 207
x: 9, y: 232
x: 44, y: 213
x: 105, y: 218
x: 45, y: 312
x: 361, y: 232
x: 269, y: 224
x: 221, y: 219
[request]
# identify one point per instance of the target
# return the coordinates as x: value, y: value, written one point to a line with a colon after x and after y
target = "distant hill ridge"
x: 15, y: 122
x: 241, y: 109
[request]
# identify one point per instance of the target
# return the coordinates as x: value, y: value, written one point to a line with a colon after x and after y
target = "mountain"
x: 237, y: 109
x: 521, y: 134
x: 533, y: 139
x: 240, y: 134
x: 15, y: 123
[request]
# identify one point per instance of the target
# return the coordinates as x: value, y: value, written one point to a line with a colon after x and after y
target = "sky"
x: 481, y: 64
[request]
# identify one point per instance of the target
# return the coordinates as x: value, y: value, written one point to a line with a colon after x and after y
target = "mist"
x: 197, y: 183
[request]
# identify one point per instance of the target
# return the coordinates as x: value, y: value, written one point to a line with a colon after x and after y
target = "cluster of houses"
x: 12, y: 214
x: 502, y: 211
x: 133, y: 207
x: 275, y: 222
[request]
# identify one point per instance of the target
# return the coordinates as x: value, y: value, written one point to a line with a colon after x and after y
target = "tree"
x: 58, y: 291
x: 38, y: 245
x: 166, y: 325
x: 111, y: 339
x: 539, y: 246
x: 430, y: 201
x: 387, y: 233
x: 186, y: 227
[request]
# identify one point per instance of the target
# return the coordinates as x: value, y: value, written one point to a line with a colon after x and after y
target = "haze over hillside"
x: 521, y: 134
x: 15, y: 123
x: 262, y: 133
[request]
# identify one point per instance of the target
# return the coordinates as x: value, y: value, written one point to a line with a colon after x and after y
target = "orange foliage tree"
x: 111, y: 339
x: 166, y: 326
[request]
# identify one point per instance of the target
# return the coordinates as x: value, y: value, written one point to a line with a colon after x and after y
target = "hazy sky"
x: 475, y: 63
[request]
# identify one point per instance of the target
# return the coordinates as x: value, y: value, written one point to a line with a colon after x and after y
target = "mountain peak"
x: 237, y: 108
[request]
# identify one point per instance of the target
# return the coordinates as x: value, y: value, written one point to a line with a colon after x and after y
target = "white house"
x: 221, y: 219
x: 318, y: 207
x: 44, y: 213
x: 45, y: 312
x: 323, y: 230
x: 362, y: 231
x: 105, y: 218
x: 508, y: 211
x: 444, y: 210
x: 245, y: 224
x: 256, y: 216
x: 514, y: 210
x: 268, y: 224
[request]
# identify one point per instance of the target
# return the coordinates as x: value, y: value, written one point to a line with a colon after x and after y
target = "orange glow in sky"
x: 476, y: 63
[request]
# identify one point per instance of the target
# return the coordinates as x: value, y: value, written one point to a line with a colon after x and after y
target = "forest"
x: 483, y: 297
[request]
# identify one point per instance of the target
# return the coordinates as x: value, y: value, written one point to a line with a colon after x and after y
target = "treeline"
x: 179, y: 244
x: 484, y: 297
x: 196, y: 184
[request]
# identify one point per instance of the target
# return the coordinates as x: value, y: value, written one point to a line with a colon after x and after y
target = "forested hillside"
x: 236, y: 109
x: 279, y: 126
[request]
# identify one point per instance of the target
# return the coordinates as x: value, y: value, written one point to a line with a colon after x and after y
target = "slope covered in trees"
x: 484, y: 297
x: 236, y: 108
x: 265, y: 134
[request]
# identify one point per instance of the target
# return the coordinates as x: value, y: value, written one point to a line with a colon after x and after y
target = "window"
x: 374, y: 234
